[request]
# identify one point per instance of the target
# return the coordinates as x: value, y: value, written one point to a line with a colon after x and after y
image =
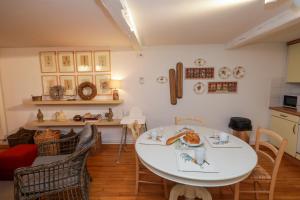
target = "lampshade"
x: 115, y: 84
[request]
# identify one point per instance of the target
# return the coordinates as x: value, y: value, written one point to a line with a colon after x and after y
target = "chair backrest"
x: 273, y: 154
x: 135, y: 129
x: 189, y: 121
x: 86, y: 136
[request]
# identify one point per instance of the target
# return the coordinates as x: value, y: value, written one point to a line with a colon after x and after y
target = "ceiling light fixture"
x: 127, y: 15
x: 270, y: 1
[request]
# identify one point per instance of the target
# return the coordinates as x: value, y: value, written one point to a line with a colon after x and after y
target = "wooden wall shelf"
x: 76, y: 102
x: 69, y: 122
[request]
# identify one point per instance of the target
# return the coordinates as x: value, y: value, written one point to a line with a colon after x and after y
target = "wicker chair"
x: 63, y: 176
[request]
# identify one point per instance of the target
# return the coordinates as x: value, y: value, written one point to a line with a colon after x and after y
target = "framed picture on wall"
x: 47, y: 82
x: 68, y: 82
x: 48, y: 62
x: 84, y: 78
x: 84, y: 61
x: 102, y: 84
x: 102, y: 61
x: 66, y: 61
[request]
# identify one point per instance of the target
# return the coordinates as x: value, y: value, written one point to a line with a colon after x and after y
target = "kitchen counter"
x: 290, y: 111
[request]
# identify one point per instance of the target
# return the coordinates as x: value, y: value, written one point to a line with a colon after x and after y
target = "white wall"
x: 21, y: 78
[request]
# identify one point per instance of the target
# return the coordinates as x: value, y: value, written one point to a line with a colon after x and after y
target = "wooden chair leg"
x: 255, y: 189
x: 237, y: 191
x: 271, y: 194
x: 165, y: 186
x: 137, y: 175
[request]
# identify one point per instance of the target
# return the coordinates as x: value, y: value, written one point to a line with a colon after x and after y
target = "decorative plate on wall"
x: 199, y: 88
x: 200, y: 62
x: 224, y: 72
x: 239, y: 72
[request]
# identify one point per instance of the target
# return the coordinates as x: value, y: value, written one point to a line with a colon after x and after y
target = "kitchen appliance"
x: 291, y: 101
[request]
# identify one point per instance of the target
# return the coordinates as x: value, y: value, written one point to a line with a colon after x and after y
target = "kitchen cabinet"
x: 293, y: 74
x: 287, y: 126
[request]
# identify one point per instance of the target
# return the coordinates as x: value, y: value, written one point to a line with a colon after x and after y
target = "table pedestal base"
x: 189, y: 192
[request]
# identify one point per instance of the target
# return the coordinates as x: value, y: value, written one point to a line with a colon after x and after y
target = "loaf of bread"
x: 173, y: 139
x: 192, y: 138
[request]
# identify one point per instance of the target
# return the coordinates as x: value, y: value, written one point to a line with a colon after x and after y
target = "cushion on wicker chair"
x: 85, y: 136
x: 41, y: 160
x: 259, y: 173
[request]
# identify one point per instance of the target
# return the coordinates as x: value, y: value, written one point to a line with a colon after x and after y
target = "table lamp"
x: 115, y: 85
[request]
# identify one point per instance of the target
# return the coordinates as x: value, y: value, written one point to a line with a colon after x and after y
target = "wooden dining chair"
x: 269, y: 154
x: 189, y: 121
x: 140, y: 168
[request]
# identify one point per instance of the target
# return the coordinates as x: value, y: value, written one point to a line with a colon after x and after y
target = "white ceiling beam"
x: 279, y: 22
x: 116, y: 10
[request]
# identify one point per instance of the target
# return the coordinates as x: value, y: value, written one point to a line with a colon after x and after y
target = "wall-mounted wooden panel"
x: 179, y: 80
x: 172, y: 81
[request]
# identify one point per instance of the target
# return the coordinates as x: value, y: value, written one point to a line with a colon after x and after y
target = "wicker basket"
x: 48, y: 135
x: 23, y: 136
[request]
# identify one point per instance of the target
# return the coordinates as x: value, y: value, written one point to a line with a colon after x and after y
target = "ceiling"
x: 46, y: 23
x: 49, y: 23
x: 198, y: 21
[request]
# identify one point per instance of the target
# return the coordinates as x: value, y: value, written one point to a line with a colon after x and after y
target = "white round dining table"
x: 233, y: 164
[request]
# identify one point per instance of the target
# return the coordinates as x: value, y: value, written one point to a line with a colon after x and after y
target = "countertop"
x: 290, y: 111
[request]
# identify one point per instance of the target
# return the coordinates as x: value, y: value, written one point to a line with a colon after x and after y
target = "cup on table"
x: 200, y: 155
x: 154, y: 135
x: 224, y: 137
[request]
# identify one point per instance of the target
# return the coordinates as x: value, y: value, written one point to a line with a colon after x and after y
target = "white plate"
x: 191, y: 145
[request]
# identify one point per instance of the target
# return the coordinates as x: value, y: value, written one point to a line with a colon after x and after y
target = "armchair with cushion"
x: 61, y: 176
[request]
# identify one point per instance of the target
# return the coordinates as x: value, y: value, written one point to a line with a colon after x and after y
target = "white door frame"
x: 3, y: 124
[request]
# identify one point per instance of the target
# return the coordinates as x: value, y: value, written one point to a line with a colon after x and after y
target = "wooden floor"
x: 117, y: 181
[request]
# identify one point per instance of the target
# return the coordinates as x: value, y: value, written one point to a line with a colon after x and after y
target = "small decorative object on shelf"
x: 199, y: 73
x: 199, y: 88
x: 87, y: 91
x: 36, y: 98
x: 77, y: 118
x: 40, y: 116
x: 88, y: 117
x: 56, y: 92
x: 239, y: 72
x: 60, y: 116
x: 162, y: 79
x: 115, y: 85
x: 222, y: 87
x: 200, y: 62
x: 109, y: 115
x: 224, y: 72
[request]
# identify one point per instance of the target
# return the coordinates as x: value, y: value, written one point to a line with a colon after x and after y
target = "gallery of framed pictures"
x: 71, y: 68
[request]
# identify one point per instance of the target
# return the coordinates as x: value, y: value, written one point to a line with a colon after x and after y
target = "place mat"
x: 215, y: 142
x: 149, y: 141
x: 186, y: 163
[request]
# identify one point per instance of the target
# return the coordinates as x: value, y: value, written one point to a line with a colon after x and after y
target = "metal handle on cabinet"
x: 294, y: 129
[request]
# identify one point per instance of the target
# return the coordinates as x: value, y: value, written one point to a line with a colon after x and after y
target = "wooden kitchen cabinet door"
x: 293, y: 75
x: 287, y: 129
